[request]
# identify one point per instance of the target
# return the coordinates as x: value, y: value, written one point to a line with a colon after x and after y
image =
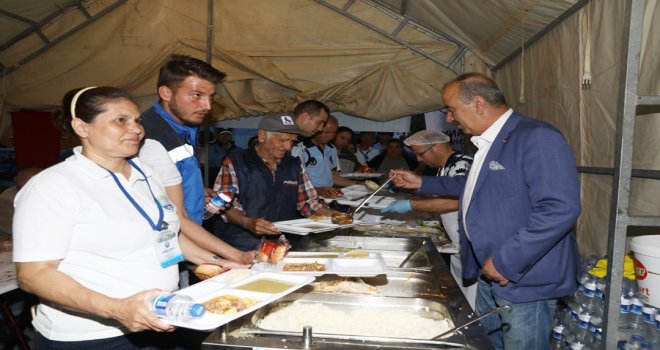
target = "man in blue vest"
x: 186, y: 86
x: 271, y: 184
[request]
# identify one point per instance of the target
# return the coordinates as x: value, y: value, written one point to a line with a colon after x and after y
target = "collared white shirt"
x: 483, y: 143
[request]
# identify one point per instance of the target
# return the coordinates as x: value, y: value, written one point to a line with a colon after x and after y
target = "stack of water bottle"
x: 579, y: 318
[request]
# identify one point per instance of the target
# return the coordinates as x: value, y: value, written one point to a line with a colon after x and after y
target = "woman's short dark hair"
x: 89, y: 104
x: 180, y: 67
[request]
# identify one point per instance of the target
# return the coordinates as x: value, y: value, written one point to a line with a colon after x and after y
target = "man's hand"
x: 248, y: 257
x: 406, y: 179
x: 261, y: 226
x: 208, y: 194
x: 400, y: 206
x: 491, y: 273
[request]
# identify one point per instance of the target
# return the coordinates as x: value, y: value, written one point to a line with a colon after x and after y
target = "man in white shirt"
x: 518, y: 206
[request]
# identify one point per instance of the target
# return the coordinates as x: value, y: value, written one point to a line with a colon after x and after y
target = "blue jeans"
x: 526, y: 326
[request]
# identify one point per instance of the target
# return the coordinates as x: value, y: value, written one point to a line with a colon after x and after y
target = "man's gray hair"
x: 477, y: 84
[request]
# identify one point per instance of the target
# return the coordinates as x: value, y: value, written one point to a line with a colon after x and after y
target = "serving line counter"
x: 417, y: 281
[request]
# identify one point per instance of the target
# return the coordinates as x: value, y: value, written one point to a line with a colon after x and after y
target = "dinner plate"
x: 240, y: 284
x: 306, y: 226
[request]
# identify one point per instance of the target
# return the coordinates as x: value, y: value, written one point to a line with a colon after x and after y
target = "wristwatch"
x: 214, y: 259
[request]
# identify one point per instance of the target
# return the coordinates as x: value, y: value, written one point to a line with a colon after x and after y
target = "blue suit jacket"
x: 523, y: 208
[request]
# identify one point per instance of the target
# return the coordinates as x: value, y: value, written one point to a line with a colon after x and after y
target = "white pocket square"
x: 494, y: 165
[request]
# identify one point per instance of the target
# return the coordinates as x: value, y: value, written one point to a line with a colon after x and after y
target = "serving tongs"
x: 497, y: 309
x: 370, y: 196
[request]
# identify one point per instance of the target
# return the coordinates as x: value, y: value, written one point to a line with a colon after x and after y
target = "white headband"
x: 75, y: 100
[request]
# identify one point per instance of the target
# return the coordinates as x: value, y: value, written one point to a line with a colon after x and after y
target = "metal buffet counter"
x: 417, y: 280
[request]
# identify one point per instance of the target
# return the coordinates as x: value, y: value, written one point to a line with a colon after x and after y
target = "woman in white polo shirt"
x: 95, y: 237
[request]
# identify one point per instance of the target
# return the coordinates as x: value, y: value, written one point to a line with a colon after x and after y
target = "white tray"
x: 361, y: 175
x: 354, y: 192
x: 306, y: 226
x: 374, y: 265
x: 225, y: 284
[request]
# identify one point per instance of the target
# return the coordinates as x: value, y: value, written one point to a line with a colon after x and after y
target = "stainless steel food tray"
x: 396, y: 284
x: 433, y: 283
x: 395, y: 251
x: 423, y: 308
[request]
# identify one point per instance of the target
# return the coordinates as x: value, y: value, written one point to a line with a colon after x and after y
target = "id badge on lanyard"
x: 167, y: 246
x: 166, y: 241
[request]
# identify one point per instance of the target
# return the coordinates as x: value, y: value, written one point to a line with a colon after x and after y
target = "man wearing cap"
x: 271, y: 185
x: 433, y: 149
x: 218, y: 150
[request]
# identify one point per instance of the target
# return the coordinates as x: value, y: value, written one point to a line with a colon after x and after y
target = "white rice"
x: 367, y: 322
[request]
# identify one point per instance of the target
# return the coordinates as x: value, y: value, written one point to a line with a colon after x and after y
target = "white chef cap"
x: 427, y: 137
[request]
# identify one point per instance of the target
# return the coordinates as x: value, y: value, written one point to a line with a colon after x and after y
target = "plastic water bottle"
x: 218, y: 203
x: 648, y: 329
x: 582, y: 335
x: 624, y: 312
x: 634, y: 343
x: 576, y: 345
x: 557, y: 338
x: 636, y: 318
x: 645, y: 345
x: 596, y: 332
x: 591, y: 304
x: 569, y: 338
x: 600, y: 289
x: 176, y: 306
x: 656, y: 337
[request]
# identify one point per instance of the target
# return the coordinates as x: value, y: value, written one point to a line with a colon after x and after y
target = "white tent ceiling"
x: 398, y: 39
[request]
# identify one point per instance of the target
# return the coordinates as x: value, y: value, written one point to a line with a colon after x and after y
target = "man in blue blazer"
x: 517, y: 208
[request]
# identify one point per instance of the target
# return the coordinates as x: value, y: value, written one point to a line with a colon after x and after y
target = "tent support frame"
x: 620, y: 218
x: 49, y: 44
x: 403, y: 21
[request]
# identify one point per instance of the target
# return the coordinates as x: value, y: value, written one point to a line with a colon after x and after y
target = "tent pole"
x: 209, y: 58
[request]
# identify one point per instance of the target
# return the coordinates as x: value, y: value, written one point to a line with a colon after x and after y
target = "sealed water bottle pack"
x: 579, y: 317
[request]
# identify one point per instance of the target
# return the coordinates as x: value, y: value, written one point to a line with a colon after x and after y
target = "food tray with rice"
x: 306, y: 226
x: 235, y: 293
x: 355, y: 315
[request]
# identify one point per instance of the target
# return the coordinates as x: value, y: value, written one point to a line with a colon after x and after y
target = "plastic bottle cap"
x: 197, y: 310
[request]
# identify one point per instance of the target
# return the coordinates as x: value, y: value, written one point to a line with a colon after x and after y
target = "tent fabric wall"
x: 552, y: 85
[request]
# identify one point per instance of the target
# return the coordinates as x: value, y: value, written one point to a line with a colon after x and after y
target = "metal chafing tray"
x: 423, y: 281
x: 420, y: 307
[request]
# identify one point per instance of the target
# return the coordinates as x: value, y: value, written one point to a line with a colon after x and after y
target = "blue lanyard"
x: 155, y: 226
